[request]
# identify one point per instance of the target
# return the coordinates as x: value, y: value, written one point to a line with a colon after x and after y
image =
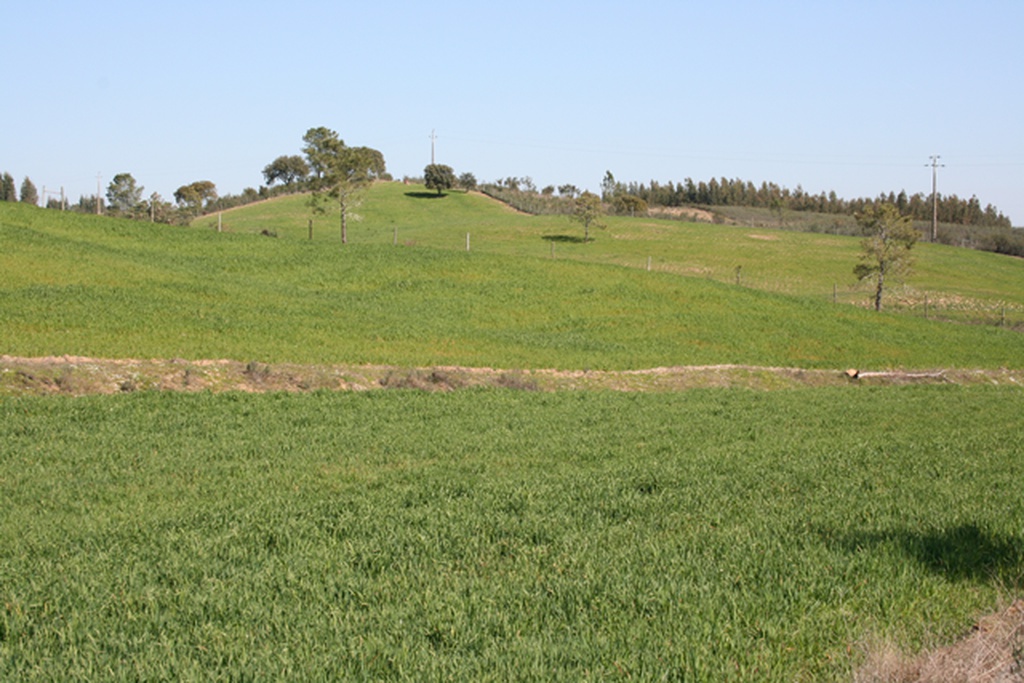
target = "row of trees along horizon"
x: 962, y: 222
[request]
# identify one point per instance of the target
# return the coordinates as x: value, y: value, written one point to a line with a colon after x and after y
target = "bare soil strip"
x: 993, y: 652
x: 79, y: 376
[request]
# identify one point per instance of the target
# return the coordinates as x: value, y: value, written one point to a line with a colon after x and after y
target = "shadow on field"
x: 564, y: 238
x: 966, y: 552
x: 425, y: 195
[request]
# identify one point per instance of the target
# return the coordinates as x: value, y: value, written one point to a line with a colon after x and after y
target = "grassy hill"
x: 815, y: 265
x: 85, y: 285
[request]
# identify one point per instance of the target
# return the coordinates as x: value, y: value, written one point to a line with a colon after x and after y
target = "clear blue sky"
x: 830, y: 95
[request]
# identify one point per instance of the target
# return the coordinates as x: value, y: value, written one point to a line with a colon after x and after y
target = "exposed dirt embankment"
x: 77, y: 375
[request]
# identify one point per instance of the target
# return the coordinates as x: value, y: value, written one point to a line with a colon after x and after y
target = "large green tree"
x: 123, y: 194
x: 321, y: 144
x: 342, y: 173
x: 439, y: 177
x: 885, y: 250
x: 286, y: 169
x: 194, y: 196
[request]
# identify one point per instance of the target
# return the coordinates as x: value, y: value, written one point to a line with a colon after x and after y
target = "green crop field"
x: 494, y: 534
x: 501, y: 535
x: 85, y: 285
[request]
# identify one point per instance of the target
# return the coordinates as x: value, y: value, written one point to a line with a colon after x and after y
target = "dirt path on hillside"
x: 78, y: 375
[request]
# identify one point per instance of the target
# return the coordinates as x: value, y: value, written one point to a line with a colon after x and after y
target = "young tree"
x: 158, y: 210
x: 885, y: 251
x: 342, y: 173
x: 29, y: 195
x: 438, y: 177
x: 123, y: 194
x: 586, y: 210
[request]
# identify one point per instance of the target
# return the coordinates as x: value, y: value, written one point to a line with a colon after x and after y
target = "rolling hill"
x: 527, y: 294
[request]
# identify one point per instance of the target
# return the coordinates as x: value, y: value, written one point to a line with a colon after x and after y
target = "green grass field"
x: 501, y: 535
x: 772, y: 260
x: 92, y: 286
x: 493, y: 534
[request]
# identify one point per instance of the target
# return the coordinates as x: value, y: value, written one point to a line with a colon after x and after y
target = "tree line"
x: 736, y: 192
x: 9, y: 190
x: 966, y: 222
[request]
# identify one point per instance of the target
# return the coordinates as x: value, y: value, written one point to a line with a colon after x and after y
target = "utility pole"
x: 432, y: 139
x: 935, y: 197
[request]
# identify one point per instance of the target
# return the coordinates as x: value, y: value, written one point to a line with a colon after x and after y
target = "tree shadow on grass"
x: 425, y: 195
x: 963, y: 553
x: 573, y: 239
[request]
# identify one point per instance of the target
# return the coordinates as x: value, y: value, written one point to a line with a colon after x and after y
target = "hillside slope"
x: 93, y: 286
x: 960, y: 283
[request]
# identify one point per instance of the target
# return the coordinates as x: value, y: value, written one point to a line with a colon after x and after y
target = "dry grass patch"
x: 993, y: 652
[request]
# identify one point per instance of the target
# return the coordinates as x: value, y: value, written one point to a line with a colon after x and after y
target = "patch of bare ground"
x: 682, y: 212
x: 79, y: 375
x: 993, y: 652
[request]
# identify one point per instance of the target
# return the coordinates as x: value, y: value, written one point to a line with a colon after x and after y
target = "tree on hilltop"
x: 321, y: 144
x: 286, y: 169
x: 123, y: 194
x: 439, y: 177
x: 342, y: 173
x: 29, y: 194
x: 8, y: 192
x: 195, y: 196
x: 885, y: 250
x: 467, y: 181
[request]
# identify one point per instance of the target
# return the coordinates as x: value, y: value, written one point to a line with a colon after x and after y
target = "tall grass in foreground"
x: 495, y: 535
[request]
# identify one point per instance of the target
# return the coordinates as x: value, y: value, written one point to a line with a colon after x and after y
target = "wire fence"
x: 901, y: 299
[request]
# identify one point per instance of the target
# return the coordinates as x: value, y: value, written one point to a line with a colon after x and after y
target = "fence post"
x: 648, y: 264
x: 833, y: 293
x: 467, y: 241
x: 310, y: 229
